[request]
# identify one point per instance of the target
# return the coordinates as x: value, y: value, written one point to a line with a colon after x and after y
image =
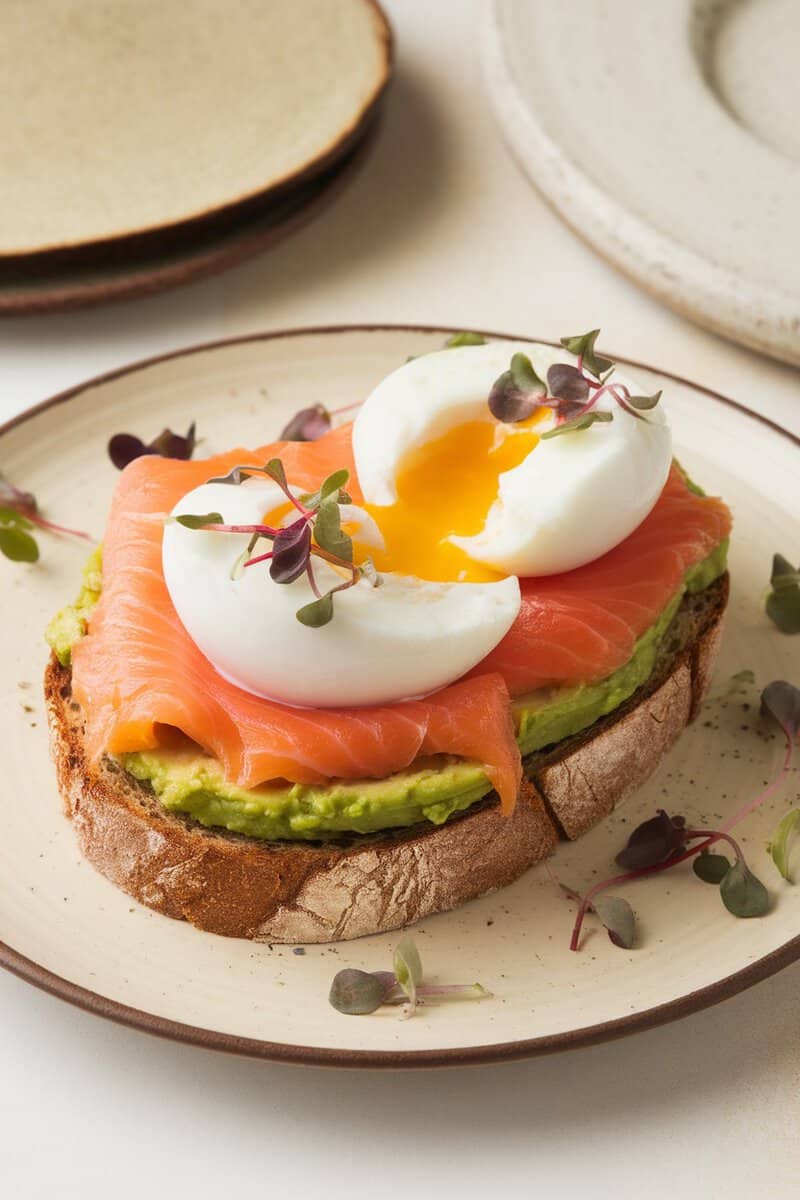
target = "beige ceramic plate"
x: 123, y: 118
x: 72, y: 285
x: 67, y: 929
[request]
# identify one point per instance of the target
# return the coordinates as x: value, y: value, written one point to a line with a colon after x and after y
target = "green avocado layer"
x: 69, y: 625
x: 190, y: 782
x: 193, y: 783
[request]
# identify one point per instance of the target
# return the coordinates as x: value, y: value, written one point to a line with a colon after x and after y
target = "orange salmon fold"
x: 138, y: 672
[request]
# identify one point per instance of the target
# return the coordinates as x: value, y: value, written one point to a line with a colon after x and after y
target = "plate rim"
x: 195, y: 223
x: 321, y: 1056
x: 207, y: 255
x: 714, y: 296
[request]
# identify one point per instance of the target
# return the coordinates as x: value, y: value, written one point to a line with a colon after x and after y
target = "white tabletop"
x: 440, y: 227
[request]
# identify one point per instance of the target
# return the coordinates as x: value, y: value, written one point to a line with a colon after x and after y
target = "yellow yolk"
x: 447, y: 487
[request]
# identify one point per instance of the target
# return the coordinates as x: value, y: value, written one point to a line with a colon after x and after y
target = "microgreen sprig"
x: 783, y: 601
x: 316, y: 533
x: 571, y: 392
x: 123, y: 448
x: 357, y: 993
x: 19, y: 515
x: 665, y: 841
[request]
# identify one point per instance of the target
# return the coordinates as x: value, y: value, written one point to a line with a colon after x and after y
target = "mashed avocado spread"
x: 191, y: 782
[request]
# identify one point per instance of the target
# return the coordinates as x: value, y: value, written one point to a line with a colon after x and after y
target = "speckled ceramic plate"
x: 67, y: 929
x: 666, y: 134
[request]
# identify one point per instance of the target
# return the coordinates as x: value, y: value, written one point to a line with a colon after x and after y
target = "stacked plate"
x: 145, y: 143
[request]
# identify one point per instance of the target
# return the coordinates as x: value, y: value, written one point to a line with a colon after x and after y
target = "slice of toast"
x: 304, y: 892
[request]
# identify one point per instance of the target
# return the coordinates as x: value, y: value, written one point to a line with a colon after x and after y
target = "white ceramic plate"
x: 67, y: 929
x: 666, y: 135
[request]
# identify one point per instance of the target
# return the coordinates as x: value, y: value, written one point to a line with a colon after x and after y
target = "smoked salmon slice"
x: 583, y: 625
x: 137, y: 674
x: 138, y: 671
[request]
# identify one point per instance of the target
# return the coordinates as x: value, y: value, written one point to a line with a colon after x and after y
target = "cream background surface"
x: 441, y: 227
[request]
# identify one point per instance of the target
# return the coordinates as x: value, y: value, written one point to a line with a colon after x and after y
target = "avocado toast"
x: 209, y: 800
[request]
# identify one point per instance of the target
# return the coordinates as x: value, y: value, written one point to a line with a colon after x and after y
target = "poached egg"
x: 459, y: 495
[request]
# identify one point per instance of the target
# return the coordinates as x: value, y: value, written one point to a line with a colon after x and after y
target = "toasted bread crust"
x: 286, y: 892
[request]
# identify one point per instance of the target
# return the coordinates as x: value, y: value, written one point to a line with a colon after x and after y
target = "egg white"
x: 571, y: 500
x: 403, y: 639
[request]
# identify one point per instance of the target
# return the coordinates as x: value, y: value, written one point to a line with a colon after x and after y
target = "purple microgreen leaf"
x: 199, y: 521
x: 18, y: 545
x: 20, y: 502
x: 643, y: 403
x: 783, y: 602
x: 577, y: 424
x: 123, y: 448
x: 618, y: 918
x: 567, y: 383
x: 742, y: 893
x: 307, y: 425
x: 387, y: 980
x: 290, y: 551
x: 172, y: 445
x: 328, y: 531
x: 582, y: 345
x: 781, y: 701
x: 356, y: 993
x: 652, y: 842
x: 711, y: 868
x: 781, y: 844
x: 517, y: 393
x: 465, y: 338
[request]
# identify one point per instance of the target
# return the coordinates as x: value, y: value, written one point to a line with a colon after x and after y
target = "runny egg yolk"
x: 447, y: 487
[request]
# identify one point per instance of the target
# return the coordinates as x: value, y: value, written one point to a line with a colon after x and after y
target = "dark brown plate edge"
x: 209, y: 255
x: 224, y: 216
x: 319, y: 1056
